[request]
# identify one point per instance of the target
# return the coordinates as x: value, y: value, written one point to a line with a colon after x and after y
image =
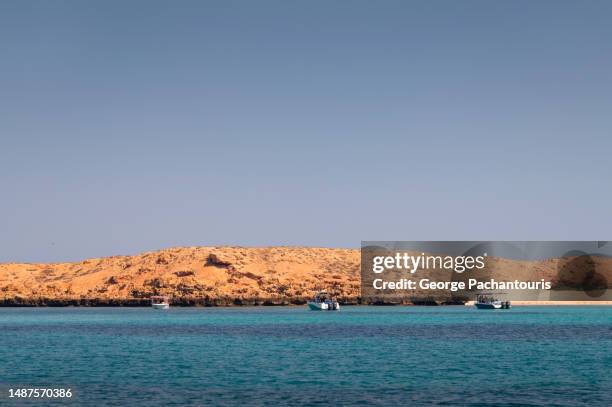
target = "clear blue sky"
x: 135, y: 125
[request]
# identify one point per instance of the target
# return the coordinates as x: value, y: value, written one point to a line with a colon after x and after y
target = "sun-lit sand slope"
x: 215, y: 275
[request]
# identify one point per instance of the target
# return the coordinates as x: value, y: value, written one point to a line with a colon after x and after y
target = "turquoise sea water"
x: 290, y: 356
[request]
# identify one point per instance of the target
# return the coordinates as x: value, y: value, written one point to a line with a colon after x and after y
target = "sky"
x: 128, y: 126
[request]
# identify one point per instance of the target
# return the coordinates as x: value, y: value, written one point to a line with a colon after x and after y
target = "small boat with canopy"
x: 490, y: 301
x: 160, y: 302
x: 323, y: 302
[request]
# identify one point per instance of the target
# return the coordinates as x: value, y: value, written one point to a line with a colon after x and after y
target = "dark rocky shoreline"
x: 199, y: 302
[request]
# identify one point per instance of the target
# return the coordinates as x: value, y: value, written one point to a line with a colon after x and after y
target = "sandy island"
x: 216, y: 276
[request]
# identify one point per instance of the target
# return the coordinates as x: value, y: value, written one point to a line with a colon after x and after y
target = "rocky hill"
x: 191, y: 276
x: 256, y: 276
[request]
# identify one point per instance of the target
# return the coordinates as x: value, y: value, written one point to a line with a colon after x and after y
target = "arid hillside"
x: 254, y: 276
x: 190, y: 275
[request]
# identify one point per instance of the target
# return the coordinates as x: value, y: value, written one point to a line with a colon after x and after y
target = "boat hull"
x: 318, y: 306
x: 323, y: 306
x: 160, y: 306
x: 488, y: 305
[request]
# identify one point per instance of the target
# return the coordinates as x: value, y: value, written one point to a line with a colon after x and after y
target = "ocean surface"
x: 393, y: 356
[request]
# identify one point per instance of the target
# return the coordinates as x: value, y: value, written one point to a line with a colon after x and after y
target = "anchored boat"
x: 488, y: 301
x: 323, y: 302
x: 160, y: 302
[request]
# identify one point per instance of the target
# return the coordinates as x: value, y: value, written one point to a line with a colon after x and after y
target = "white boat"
x: 322, y: 302
x: 489, y: 305
x: 488, y: 301
x: 160, y: 302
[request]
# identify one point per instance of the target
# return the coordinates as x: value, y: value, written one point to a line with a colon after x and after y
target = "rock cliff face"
x: 191, y: 276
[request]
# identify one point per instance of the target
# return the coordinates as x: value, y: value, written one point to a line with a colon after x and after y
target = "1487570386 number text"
x: 34, y: 392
